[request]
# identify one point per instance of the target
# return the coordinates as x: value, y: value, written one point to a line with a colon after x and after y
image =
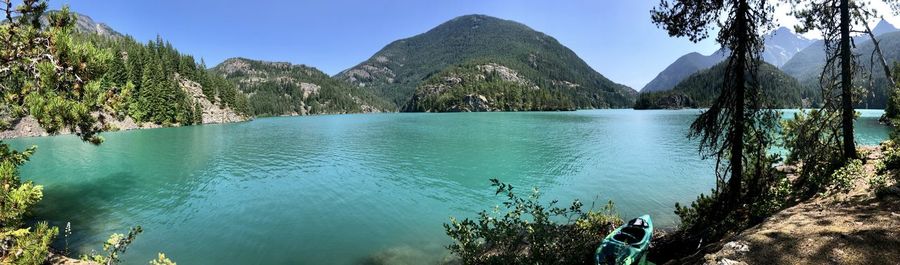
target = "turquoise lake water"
x: 343, y: 189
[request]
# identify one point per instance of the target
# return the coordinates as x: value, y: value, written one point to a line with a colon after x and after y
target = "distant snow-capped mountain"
x: 780, y: 46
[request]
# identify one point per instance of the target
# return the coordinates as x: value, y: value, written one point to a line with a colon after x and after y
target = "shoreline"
x: 28, y: 127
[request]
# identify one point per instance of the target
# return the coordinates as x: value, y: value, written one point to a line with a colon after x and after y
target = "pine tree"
x: 735, y: 114
x: 47, y: 89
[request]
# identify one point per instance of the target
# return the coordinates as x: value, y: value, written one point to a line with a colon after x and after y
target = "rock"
x: 25, y: 127
x: 476, y: 103
x: 789, y: 169
x: 504, y: 72
x: 737, y: 246
x: 213, y: 113
x: 725, y: 261
x: 309, y: 89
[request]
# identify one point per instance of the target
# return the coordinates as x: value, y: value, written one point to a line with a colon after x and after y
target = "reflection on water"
x: 357, y: 188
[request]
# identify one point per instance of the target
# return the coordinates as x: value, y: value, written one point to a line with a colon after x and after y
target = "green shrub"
x: 842, y: 179
x: 113, y: 247
x: 813, y: 138
x: 161, y: 259
x: 27, y: 246
x: 525, y: 231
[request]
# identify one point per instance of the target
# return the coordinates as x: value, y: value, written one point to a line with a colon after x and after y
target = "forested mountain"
x: 141, y: 84
x: 487, y: 87
x: 700, y: 89
x: 807, y: 65
x: 780, y: 46
x: 158, y: 84
x: 683, y: 67
x: 155, y: 82
x: 279, y: 88
x: 398, y: 69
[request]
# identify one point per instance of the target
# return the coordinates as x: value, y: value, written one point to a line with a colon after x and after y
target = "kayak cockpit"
x: 630, y: 235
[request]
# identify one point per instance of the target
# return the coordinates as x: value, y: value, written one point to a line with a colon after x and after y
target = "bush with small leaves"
x: 161, y: 259
x: 525, y: 231
x: 114, y: 247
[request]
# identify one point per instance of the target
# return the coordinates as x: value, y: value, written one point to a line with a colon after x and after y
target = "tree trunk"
x: 737, y: 118
x: 847, y: 111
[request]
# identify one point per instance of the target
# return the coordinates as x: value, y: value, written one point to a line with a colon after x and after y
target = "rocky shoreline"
x: 29, y: 127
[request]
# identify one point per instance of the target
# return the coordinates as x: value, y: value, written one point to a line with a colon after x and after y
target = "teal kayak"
x: 627, y: 244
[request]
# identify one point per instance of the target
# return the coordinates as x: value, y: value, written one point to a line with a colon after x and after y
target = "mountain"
x: 683, y: 67
x: 487, y: 87
x: 396, y: 71
x: 883, y: 27
x: 87, y: 25
x: 807, y: 65
x: 701, y: 89
x: 280, y: 88
x: 780, y: 46
x: 148, y: 84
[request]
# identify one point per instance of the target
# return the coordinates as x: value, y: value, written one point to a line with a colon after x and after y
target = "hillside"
x: 145, y: 85
x: 807, y: 65
x: 683, y: 67
x: 780, y: 46
x: 485, y: 87
x: 279, y: 88
x: 84, y: 24
x: 700, y: 90
x: 398, y: 69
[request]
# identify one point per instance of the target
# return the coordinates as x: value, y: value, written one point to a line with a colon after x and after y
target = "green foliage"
x: 892, y: 110
x: 763, y: 190
x: 284, y: 89
x: 525, y: 231
x: 696, y: 215
x: 114, y: 247
x: 161, y: 259
x: 701, y: 89
x: 396, y: 71
x: 144, y: 79
x: 26, y: 246
x: 454, y: 89
x: 814, y: 138
x: 842, y: 179
x: 891, y: 154
x: 17, y: 197
x: 58, y: 81
x: 664, y: 100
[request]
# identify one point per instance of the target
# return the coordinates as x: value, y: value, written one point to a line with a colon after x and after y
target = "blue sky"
x: 615, y: 37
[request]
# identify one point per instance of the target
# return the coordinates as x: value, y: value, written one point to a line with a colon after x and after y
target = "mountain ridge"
x: 282, y: 88
x: 780, y: 46
x: 395, y: 71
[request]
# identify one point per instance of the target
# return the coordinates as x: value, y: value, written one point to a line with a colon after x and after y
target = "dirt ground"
x: 848, y: 228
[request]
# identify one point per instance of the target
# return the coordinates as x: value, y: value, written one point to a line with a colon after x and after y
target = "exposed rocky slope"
x: 212, y: 113
x: 280, y: 88
x: 485, y: 87
x: 397, y: 70
x: 87, y: 25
